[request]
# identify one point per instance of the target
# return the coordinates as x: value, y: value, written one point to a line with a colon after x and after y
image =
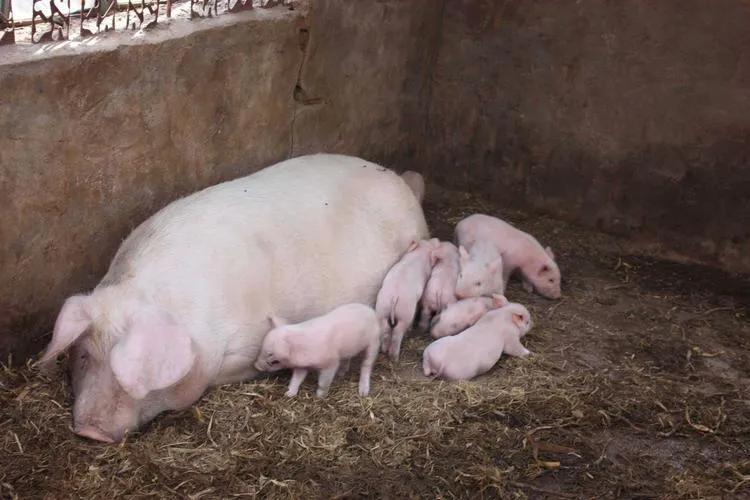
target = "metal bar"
x: 7, y: 24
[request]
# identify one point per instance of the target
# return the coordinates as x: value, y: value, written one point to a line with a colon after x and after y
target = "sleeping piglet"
x: 460, y: 315
x: 440, y: 291
x: 397, y: 300
x: 520, y: 251
x: 476, y: 350
x: 321, y: 344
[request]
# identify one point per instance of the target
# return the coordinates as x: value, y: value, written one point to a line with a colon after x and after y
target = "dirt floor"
x: 639, y: 388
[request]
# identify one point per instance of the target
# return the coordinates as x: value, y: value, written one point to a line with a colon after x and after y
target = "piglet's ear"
x: 518, y: 320
x: 433, y: 257
x: 499, y: 300
x: 412, y: 246
x: 74, y: 319
x: 154, y: 354
x: 549, y: 252
x: 276, y: 321
x: 496, y: 265
x: 463, y: 254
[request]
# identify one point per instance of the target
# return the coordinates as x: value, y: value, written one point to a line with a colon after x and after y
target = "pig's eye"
x: 478, y: 284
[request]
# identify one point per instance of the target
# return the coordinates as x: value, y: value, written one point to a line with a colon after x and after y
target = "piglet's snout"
x: 91, y: 432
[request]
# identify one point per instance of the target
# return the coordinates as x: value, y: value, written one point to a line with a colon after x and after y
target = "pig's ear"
x: 518, y: 320
x: 433, y: 257
x: 549, y: 252
x: 276, y: 321
x: 413, y: 245
x: 154, y: 354
x: 74, y: 319
x: 284, y: 350
x: 499, y: 300
x: 463, y: 254
x: 496, y: 265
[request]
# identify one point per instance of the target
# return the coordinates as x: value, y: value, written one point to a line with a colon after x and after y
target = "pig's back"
x: 298, y: 239
x: 504, y: 236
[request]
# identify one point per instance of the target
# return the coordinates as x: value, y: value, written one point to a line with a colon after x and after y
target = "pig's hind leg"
x: 298, y: 375
x: 513, y: 347
x: 325, y: 377
x: 396, y: 337
x: 365, y: 371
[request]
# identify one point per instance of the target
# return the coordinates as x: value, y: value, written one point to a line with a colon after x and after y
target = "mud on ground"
x: 639, y: 388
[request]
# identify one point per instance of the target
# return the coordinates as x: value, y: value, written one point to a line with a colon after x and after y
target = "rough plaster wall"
x: 630, y: 116
x: 94, y: 143
x: 363, y: 87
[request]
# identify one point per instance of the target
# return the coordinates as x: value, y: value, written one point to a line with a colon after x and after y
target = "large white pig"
x: 185, y: 302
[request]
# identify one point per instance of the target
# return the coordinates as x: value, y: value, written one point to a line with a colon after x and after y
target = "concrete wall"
x: 97, y: 136
x: 631, y: 116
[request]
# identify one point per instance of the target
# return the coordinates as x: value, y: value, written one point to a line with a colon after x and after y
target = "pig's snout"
x: 91, y: 432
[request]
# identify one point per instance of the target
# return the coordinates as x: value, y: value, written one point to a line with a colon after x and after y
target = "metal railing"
x: 54, y: 20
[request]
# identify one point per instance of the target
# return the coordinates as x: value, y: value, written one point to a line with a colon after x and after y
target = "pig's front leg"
x: 527, y: 285
x: 513, y: 347
x: 366, y: 370
x: 298, y: 375
x: 325, y: 377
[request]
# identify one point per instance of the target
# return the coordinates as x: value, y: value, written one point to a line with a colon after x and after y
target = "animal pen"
x: 618, y: 133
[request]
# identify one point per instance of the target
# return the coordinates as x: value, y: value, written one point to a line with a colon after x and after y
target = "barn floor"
x: 640, y: 387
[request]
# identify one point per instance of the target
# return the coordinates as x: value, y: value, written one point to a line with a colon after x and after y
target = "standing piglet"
x: 520, y: 251
x: 321, y: 344
x: 440, y: 291
x: 476, y: 350
x: 461, y: 315
x: 402, y: 288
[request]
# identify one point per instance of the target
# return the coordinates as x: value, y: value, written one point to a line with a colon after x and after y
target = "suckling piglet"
x: 440, y: 290
x: 397, y: 300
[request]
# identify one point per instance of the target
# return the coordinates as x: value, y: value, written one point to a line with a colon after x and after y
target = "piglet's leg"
x: 527, y: 285
x: 366, y: 370
x: 345, y: 366
x: 385, y: 335
x: 325, y: 377
x: 513, y: 347
x: 424, y: 318
x: 298, y: 375
x: 396, y: 337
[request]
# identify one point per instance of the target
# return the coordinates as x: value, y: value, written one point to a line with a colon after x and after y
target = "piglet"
x: 520, y: 251
x: 321, y: 344
x: 397, y: 300
x: 461, y: 315
x: 481, y: 271
x: 440, y: 291
x: 476, y: 350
